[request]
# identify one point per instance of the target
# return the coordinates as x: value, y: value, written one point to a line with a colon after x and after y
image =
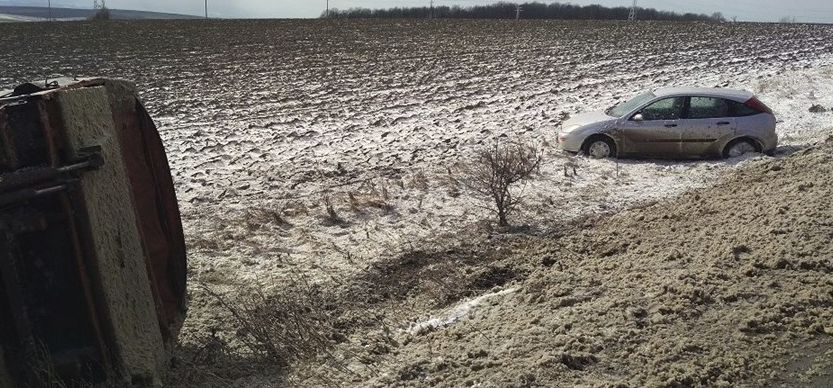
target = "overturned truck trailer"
x: 92, y: 254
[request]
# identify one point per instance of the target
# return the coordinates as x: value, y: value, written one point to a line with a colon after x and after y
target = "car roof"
x: 732, y: 94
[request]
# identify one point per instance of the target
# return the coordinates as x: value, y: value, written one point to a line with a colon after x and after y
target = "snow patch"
x: 455, y: 314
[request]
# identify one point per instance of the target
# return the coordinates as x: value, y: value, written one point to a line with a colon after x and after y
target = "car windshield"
x: 626, y: 107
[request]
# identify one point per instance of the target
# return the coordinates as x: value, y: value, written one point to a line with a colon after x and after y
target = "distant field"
x: 320, y: 88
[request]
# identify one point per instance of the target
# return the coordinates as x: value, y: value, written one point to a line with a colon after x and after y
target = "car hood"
x: 586, y: 119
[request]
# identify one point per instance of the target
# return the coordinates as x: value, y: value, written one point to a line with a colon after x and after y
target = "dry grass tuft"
x: 378, y: 198
x: 419, y: 181
x: 257, y: 218
x: 331, y: 217
x: 44, y: 373
x: 355, y: 206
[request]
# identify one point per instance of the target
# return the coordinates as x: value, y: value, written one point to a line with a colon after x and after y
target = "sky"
x: 747, y: 10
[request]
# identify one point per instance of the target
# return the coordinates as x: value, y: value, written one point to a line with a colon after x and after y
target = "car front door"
x: 657, y: 134
x: 707, y: 121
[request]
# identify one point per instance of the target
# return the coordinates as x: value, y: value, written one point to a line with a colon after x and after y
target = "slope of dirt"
x: 726, y: 286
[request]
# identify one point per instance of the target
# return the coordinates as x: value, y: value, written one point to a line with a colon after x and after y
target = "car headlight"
x: 571, y: 128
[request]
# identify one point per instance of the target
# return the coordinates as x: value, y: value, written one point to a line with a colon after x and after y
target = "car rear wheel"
x: 599, y: 148
x: 740, y: 147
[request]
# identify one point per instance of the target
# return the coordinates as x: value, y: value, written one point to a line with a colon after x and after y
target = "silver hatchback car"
x: 675, y: 123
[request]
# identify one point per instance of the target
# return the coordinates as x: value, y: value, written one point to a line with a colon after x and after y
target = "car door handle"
x: 670, y: 125
x: 723, y: 123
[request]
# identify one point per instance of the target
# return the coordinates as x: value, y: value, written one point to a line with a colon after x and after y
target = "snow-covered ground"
x: 17, y: 18
x: 9, y: 18
x: 395, y: 208
x: 266, y: 121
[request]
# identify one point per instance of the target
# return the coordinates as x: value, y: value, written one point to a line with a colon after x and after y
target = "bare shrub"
x: 282, y: 327
x: 495, y: 171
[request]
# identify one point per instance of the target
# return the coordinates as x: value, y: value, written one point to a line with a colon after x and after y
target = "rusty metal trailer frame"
x: 41, y: 197
x: 25, y: 193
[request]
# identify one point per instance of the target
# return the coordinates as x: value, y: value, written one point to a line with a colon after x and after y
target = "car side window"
x: 708, y: 108
x: 665, y: 109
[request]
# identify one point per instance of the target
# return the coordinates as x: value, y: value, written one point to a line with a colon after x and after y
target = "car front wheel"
x: 599, y: 148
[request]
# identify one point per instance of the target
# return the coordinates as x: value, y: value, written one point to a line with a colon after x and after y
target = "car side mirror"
x: 638, y: 117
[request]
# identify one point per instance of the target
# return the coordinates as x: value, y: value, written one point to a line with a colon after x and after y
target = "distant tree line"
x: 504, y: 10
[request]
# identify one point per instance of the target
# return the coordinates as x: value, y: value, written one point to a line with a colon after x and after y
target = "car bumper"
x: 569, y: 142
x: 769, y: 143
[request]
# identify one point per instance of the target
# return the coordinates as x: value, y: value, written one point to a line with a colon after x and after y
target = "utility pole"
x: 518, y: 12
x: 50, y: 10
x: 327, y: 10
x: 632, y: 15
x: 431, y: 10
x: 206, y: 9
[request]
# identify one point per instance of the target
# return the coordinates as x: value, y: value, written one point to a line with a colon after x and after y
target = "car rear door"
x: 707, y: 121
x: 658, y: 133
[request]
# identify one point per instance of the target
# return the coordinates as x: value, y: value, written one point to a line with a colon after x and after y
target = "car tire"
x: 599, y: 147
x: 739, y: 147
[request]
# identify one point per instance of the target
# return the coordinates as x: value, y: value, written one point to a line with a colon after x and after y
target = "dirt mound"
x: 725, y: 286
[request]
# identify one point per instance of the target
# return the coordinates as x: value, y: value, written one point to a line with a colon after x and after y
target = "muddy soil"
x: 725, y: 286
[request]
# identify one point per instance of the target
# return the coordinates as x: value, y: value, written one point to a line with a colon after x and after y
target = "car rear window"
x: 738, y: 109
x: 708, y: 108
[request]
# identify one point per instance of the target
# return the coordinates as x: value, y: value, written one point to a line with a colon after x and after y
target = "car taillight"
x: 757, y: 105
